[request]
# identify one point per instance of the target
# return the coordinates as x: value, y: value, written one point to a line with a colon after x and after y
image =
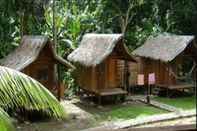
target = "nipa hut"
x: 100, y: 60
x: 172, y: 58
x: 36, y: 57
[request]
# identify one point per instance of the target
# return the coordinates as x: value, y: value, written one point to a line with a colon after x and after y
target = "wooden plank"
x: 184, y: 86
x: 178, y: 86
x: 112, y: 91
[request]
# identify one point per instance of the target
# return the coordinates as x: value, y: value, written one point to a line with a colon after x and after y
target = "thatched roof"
x: 164, y: 47
x: 94, y: 48
x: 28, y: 51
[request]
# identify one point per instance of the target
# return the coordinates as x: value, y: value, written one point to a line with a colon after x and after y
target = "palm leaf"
x: 5, y: 123
x: 19, y: 90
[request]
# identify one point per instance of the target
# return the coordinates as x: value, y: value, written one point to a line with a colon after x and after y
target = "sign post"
x: 151, y: 81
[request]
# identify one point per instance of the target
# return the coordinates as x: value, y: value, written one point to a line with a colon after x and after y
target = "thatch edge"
x: 33, y: 58
x: 165, y: 61
x: 71, y: 57
x: 104, y: 55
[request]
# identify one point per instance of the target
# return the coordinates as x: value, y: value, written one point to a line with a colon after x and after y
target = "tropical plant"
x: 5, y: 123
x: 73, y: 18
x: 18, y: 90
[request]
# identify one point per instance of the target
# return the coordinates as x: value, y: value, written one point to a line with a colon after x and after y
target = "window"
x: 42, y: 74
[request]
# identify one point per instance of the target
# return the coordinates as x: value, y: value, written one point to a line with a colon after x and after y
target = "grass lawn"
x: 128, y: 112
x: 181, y: 102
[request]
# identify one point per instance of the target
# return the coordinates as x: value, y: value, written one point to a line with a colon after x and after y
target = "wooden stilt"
x: 148, y: 94
x: 99, y: 100
x: 58, y: 91
x: 167, y: 92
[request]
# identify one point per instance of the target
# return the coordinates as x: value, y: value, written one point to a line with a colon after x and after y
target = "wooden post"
x: 99, y: 100
x: 126, y: 80
x: 195, y: 75
x: 148, y: 94
x: 58, y: 91
x: 151, y: 81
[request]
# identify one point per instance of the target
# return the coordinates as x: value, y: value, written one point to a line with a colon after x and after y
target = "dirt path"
x: 75, y: 125
x: 78, y: 119
x: 74, y: 111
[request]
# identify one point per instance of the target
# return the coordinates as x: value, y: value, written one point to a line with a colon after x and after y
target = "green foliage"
x: 19, y: 90
x: 19, y: 17
x: 151, y: 17
x: 68, y: 80
x: 73, y: 18
x: 71, y: 85
x: 5, y: 123
x: 8, y: 34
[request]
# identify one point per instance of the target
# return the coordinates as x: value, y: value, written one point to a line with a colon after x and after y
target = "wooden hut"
x: 100, y: 59
x: 36, y: 57
x: 167, y: 56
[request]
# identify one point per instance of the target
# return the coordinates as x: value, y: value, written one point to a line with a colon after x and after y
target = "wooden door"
x: 120, y: 73
x: 101, y: 71
x: 112, y: 73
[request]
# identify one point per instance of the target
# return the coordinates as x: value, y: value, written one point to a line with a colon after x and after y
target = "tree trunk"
x: 24, y: 23
x: 54, y: 26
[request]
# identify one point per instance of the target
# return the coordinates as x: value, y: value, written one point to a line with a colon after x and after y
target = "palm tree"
x: 18, y: 90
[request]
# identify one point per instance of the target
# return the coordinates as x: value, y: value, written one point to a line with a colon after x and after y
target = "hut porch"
x: 171, y: 89
x: 109, y: 92
x: 181, y: 86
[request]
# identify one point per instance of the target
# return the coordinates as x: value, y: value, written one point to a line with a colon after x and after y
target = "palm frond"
x: 5, y: 123
x: 19, y: 90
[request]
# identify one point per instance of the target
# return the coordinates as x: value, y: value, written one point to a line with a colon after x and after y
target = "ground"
x: 71, y: 125
x: 85, y: 114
